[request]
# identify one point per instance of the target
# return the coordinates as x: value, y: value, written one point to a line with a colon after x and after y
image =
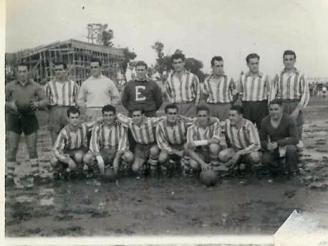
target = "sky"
x: 200, y: 28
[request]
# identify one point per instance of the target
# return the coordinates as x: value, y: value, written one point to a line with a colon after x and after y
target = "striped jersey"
x: 168, y: 134
x: 69, y: 139
x: 62, y: 93
x: 212, y: 131
x: 184, y: 89
x: 143, y: 133
x: 254, y: 87
x: 219, y: 89
x: 292, y: 86
x: 245, y: 138
x: 108, y: 136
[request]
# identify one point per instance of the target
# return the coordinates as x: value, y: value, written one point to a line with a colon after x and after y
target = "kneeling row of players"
x: 174, y: 141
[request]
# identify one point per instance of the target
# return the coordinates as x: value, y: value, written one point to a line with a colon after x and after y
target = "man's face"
x: 253, y: 65
x: 234, y: 117
x: 95, y: 69
x: 275, y: 111
x: 172, y: 115
x: 22, y: 73
x: 137, y: 116
x: 178, y: 65
x: 289, y: 61
x: 203, y: 116
x: 141, y: 72
x: 74, y: 119
x: 60, y: 72
x: 217, y: 67
x: 109, y: 117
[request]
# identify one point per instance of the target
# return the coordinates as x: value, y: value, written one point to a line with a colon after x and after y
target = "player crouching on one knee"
x: 109, y: 144
x: 243, y: 142
x: 71, y: 144
x: 204, y: 141
x: 171, y: 135
x: 143, y: 131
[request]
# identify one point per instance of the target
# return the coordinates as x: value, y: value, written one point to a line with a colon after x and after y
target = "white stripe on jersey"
x: 62, y: 94
x: 219, y: 89
x: 254, y: 88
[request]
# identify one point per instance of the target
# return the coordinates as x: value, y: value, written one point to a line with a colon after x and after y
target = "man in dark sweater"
x: 142, y: 93
x: 278, y: 137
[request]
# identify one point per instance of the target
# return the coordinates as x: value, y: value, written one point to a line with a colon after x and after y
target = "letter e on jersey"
x: 139, y: 94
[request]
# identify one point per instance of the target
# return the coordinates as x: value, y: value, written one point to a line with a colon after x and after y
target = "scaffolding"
x: 76, y: 54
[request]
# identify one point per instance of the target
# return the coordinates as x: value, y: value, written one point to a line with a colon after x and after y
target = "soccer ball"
x: 208, y: 178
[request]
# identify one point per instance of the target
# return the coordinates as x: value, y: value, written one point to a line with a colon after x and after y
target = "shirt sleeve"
x: 76, y: 89
x: 81, y: 98
x: 232, y: 87
x: 40, y: 93
x: 305, y: 98
x: 114, y: 93
x: 124, y: 120
x: 217, y: 134
x: 158, y: 96
x: 48, y: 92
x: 94, y: 140
x: 123, y: 143
x: 168, y: 89
x: 190, y: 135
x: 196, y: 86
x: 254, y: 139
x: 162, y: 143
x: 240, y: 85
x: 60, y: 145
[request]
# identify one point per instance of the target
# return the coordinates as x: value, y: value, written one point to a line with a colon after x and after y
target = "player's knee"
x: 154, y: 152
x: 78, y: 156
x: 128, y: 156
x: 224, y: 155
x: 89, y: 159
x: 136, y: 167
x: 194, y: 164
x: 163, y: 157
x: 266, y: 159
x: 214, y: 149
x: 254, y: 157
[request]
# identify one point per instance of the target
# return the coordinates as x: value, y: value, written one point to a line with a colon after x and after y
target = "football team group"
x: 219, y: 127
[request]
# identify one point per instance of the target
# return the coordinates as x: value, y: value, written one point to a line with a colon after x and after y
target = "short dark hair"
x: 22, y: 64
x: 96, y: 60
x: 177, y: 56
x: 251, y: 56
x: 73, y: 110
x: 141, y: 63
x: 202, y: 107
x: 289, y: 52
x: 108, y: 108
x: 170, y: 106
x: 137, y: 109
x: 237, y: 108
x: 276, y: 101
x: 58, y: 63
x: 216, y: 58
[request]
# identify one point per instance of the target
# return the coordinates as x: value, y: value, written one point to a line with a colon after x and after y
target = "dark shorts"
x: 256, y: 111
x: 57, y: 118
x: 26, y: 123
x: 108, y: 155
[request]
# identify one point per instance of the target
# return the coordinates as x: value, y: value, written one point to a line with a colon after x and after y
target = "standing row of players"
x: 182, y: 88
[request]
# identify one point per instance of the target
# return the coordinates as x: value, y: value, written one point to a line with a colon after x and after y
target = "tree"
x: 195, y: 66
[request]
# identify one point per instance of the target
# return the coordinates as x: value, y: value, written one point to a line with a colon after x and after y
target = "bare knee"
x: 193, y: 164
x: 225, y: 155
x: 254, y: 157
x: 78, y: 156
x: 163, y: 157
x: 214, y: 149
x: 128, y: 157
x: 137, y: 165
x: 154, y: 152
x: 89, y: 159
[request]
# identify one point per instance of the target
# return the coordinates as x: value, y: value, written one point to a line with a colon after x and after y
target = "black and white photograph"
x: 152, y: 122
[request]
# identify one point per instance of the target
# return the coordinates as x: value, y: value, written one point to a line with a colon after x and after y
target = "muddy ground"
x: 172, y: 206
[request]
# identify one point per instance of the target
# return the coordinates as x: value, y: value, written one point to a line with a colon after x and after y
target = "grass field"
x: 171, y: 206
